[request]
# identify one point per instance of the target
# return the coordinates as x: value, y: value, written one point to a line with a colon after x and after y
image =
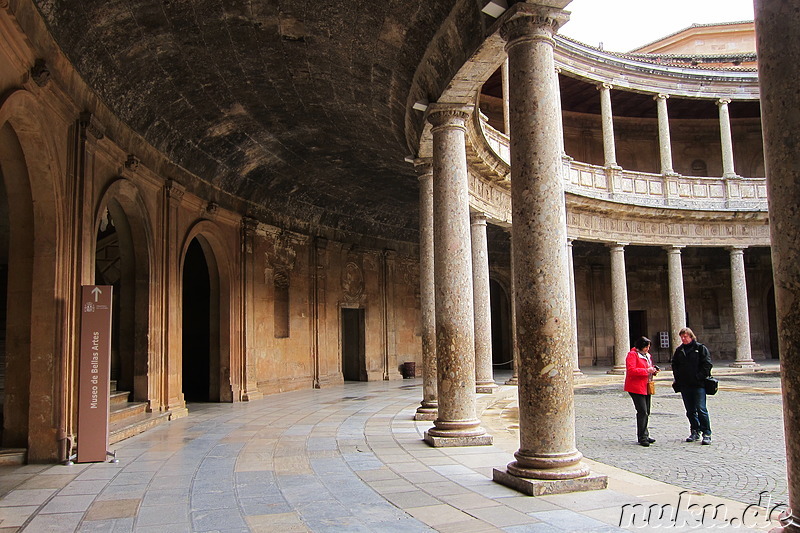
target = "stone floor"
x: 351, y: 459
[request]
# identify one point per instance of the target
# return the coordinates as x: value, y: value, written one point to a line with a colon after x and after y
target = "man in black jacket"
x: 691, y: 365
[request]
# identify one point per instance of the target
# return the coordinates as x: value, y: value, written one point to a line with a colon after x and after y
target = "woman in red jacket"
x: 639, y: 369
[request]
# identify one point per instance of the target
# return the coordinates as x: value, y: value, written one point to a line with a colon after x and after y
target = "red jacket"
x: 636, y: 373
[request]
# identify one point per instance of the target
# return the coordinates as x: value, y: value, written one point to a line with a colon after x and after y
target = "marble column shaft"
x: 664, y: 142
x: 778, y: 43
x: 728, y: 170
x: 514, y: 379
x: 504, y: 78
x: 573, y: 308
x: 609, y: 148
x: 546, y: 407
x: 677, y: 298
x: 455, y: 327
x: 741, y: 311
x: 619, y: 307
x: 428, y: 407
x: 484, y: 374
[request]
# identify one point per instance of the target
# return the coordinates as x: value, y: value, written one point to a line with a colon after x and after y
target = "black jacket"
x: 691, y: 364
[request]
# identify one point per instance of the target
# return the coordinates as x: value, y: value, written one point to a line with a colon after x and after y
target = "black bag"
x: 711, y: 385
x: 675, y: 386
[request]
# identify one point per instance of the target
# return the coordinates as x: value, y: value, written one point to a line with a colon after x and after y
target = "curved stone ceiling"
x: 296, y: 106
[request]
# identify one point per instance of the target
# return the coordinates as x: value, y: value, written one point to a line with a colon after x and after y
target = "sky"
x: 622, y: 25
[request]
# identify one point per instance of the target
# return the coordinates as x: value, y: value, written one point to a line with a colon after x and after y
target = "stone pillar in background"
x: 514, y: 379
x: 504, y: 75
x: 428, y: 407
x: 547, y: 460
x: 677, y: 300
x: 573, y: 308
x: 609, y: 148
x: 726, y: 138
x: 778, y: 43
x: 741, y: 310
x: 457, y: 423
x: 619, y: 306
x: 484, y: 375
x: 664, y: 142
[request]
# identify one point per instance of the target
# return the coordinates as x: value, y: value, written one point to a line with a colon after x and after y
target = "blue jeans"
x: 694, y: 399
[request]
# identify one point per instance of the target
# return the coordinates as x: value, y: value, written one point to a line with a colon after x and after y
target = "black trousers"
x: 642, y: 404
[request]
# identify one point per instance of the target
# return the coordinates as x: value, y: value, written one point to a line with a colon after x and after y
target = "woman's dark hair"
x: 641, y: 343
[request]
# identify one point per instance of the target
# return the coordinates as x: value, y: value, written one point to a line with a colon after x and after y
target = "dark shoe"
x: 706, y: 439
x: 644, y: 443
x: 650, y: 440
x: 694, y: 437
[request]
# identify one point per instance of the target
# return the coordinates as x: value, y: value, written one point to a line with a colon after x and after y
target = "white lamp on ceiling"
x: 495, y: 8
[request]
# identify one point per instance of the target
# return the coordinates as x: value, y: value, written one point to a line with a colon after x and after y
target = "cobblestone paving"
x: 747, y: 455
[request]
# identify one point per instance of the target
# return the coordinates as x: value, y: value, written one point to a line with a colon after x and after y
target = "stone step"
x: 118, y: 398
x: 12, y: 456
x: 128, y: 427
x: 126, y: 410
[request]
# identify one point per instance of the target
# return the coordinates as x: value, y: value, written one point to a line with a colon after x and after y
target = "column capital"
x: 528, y: 22
x: 660, y: 96
x: 604, y: 85
x: 737, y: 249
x: 723, y: 101
x: 174, y: 190
x: 558, y: 70
x: 424, y: 167
x: 674, y: 248
x: 478, y: 218
x: 615, y: 245
x: 448, y: 115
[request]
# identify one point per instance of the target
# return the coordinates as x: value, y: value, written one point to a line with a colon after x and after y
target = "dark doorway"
x: 354, y: 359
x: 637, y: 326
x: 196, y: 325
x: 109, y: 271
x: 772, y: 324
x: 5, y: 229
x: 502, y: 357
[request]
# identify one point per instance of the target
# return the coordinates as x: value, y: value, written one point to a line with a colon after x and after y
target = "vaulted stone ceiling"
x: 297, y: 107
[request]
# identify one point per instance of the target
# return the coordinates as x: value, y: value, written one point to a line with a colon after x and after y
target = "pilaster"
x: 248, y: 384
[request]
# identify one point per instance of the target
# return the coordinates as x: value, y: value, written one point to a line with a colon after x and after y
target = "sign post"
x: 94, y: 373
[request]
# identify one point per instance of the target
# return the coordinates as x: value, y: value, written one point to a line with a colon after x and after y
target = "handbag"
x: 651, y: 387
x: 711, y: 385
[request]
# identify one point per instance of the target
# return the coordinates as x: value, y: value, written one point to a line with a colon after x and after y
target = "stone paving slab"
x: 351, y: 458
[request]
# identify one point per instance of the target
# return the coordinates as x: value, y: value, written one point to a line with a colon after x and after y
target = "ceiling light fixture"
x: 495, y: 8
x: 421, y: 105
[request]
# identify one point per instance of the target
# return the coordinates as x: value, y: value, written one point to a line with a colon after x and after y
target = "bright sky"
x: 622, y: 25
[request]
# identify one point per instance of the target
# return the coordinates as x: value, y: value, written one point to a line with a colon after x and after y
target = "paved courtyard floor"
x: 351, y: 459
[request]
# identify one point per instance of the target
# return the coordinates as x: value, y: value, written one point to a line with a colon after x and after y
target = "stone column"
x: 547, y: 460
x: 514, y: 379
x: 677, y: 300
x: 726, y: 138
x: 247, y: 380
x: 664, y: 142
x: 428, y: 407
x: 573, y: 308
x: 741, y: 310
x: 619, y: 305
x: 561, y: 149
x: 778, y: 44
x: 504, y: 75
x: 457, y: 423
x: 482, y: 303
x: 609, y: 149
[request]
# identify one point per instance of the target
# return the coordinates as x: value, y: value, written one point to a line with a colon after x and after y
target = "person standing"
x: 691, y: 365
x: 639, y: 370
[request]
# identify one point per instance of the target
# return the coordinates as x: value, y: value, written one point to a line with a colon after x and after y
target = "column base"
x: 426, y: 416
x: 543, y: 487
x: 617, y: 370
x: 488, y: 387
x: 178, y: 412
x: 578, y: 374
x: 455, y: 441
x: 744, y: 364
x: 513, y: 380
x: 249, y: 396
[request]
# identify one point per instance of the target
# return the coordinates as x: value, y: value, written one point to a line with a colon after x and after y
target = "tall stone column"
x: 573, y: 310
x: 609, y: 148
x: 726, y: 138
x: 429, y: 406
x: 482, y: 303
x: 457, y: 423
x: 664, y: 142
x: 561, y: 149
x: 741, y: 311
x: 547, y: 460
x: 778, y: 44
x: 514, y: 379
x: 619, y: 307
x: 677, y: 298
x: 504, y: 76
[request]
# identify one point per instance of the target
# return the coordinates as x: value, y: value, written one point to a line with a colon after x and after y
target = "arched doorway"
x: 502, y: 356
x: 201, y: 324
